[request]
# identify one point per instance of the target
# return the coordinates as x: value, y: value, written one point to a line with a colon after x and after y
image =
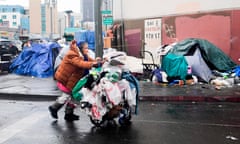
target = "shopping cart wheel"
x: 126, y: 117
x: 125, y: 121
x: 96, y: 123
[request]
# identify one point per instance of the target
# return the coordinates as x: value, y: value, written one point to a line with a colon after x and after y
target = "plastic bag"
x: 76, y: 93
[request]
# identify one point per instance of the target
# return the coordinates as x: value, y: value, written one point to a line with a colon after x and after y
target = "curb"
x: 27, y: 97
x: 32, y: 97
x: 191, y: 98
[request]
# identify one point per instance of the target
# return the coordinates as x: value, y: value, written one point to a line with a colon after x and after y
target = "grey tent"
x: 60, y: 56
x: 214, y: 57
x: 199, y: 66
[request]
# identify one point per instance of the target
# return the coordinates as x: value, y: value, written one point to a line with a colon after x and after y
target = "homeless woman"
x: 74, y: 66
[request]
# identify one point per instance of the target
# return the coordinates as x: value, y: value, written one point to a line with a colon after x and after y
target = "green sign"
x: 107, y: 12
x: 108, y: 20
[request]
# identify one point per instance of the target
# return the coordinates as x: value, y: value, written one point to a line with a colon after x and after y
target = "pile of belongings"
x: 37, y: 60
x: 133, y: 64
x: 195, y: 60
x: 106, y: 87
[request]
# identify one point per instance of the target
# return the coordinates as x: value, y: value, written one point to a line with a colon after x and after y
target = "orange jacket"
x: 72, y: 67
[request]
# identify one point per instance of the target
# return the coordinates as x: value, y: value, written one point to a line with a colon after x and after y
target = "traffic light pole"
x: 98, y: 28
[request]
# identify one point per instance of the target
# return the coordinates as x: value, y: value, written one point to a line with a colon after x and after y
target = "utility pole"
x: 98, y: 28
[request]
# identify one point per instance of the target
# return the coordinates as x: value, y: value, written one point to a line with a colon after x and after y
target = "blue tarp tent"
x: 87, y: 36
x: 37, y: 61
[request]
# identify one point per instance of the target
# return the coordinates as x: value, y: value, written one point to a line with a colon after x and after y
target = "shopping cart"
x: 148, y: 67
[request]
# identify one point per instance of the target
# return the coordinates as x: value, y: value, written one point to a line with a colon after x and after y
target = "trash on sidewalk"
x: 192, y: 61
x: 231, y: 138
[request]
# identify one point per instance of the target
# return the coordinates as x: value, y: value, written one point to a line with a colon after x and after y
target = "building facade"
x: 35, y: 16
x: 148, y: 25
x: 87, y: 10
x: 43, y: 17
x: 140, y: 9
x: 11, y: 21
x: 10, y: 16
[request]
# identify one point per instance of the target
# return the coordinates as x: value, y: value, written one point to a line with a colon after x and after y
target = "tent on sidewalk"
x: 37, y: 60
x: 214, y: 57
x: 175, y: 66
x: 198, y: 66
x: 201, y: 55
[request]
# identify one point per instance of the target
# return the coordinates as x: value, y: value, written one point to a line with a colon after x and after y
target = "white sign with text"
x: 152, y: 35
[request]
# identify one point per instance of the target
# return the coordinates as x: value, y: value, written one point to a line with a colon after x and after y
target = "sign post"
x: 98, y: 28
x: 108, y: 20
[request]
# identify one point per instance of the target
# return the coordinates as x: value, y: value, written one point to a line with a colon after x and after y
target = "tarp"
x: 36, y: 61
x: 214, y: 57
x: 87, y: 36
x: 198, y: 66
x: 237, y: 71
x: 175, y: 66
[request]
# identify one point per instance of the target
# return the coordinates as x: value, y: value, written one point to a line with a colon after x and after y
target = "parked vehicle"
x: 7, y: 53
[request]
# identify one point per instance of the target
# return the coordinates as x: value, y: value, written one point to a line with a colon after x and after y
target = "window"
x: 14, y: 17
x: 4, y: 10
x: 14, y: 9
x: 14, y: 23
x: 4, y: 17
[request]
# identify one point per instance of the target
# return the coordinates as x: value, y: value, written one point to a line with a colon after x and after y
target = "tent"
x: 175, y: 66
x: 87, y: 36
x: 198, y: 66
x: 214, y: 57
x: 200, y: 54
x: 37, y: 60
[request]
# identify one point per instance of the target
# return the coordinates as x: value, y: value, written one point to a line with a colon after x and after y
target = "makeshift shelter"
x: 214, y: 57
x: 87, y: 36
x: 201, y: 55
x: 198, y: 66
x: 37, y: 60
x: 175, y: 66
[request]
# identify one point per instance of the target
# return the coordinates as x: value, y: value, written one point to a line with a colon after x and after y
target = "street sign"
x: 107, y: 12
x: 108, y: 20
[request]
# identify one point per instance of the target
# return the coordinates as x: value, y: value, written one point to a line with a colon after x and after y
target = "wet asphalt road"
x: 26, y: 122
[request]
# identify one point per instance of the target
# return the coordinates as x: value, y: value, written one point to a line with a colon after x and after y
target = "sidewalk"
x: 23, y: 87
x: 197, y: 93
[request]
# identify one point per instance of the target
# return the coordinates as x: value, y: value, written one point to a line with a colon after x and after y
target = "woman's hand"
x: 98, y: 59
x: 97, y: 64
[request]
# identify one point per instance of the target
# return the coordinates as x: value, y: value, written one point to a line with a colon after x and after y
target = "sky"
x: 63, y: 5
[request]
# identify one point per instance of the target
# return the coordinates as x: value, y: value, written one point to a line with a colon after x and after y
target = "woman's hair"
x: 81, y: 44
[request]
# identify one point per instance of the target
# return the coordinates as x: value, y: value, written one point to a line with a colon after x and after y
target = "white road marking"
x: 8, y: 132
x: 189, y: 123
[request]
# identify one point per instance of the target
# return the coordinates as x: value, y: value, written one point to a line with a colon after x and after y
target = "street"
x: 28, y: 122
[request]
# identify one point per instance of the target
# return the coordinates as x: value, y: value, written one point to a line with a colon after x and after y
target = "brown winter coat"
x: 72, y: 67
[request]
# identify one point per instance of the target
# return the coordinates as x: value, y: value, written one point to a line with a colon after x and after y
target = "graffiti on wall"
x: 169, y: 30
